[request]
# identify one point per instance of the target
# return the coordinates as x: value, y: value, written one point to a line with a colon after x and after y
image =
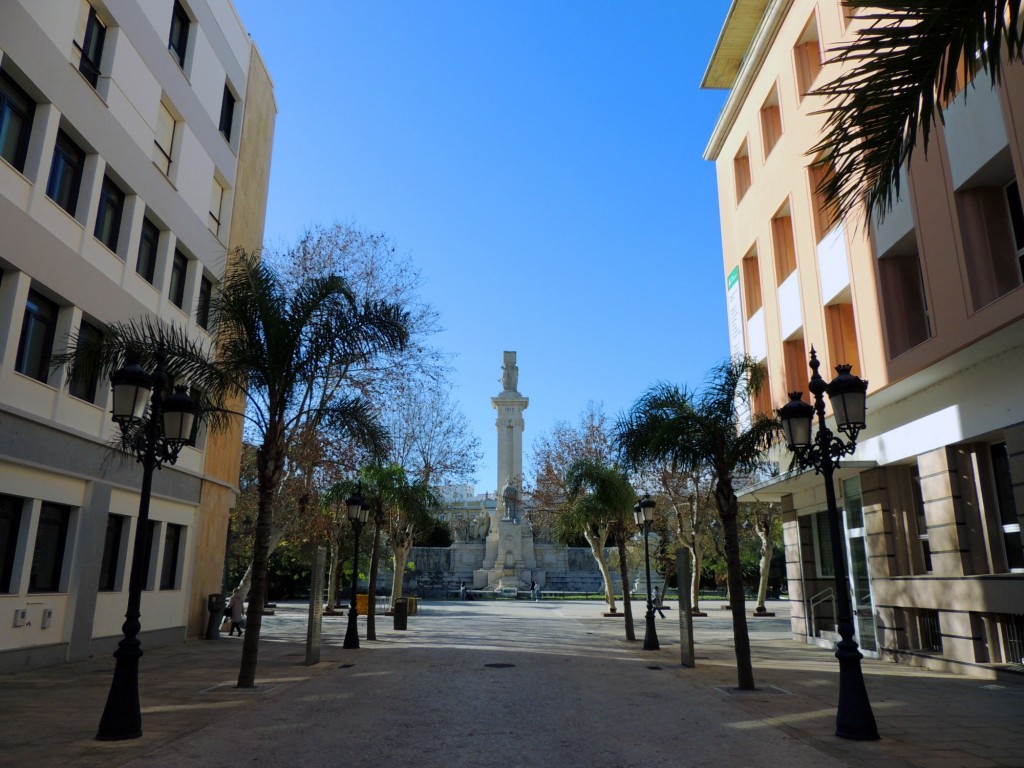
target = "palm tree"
x: 697, y: 431
x: 279, y: 351
x: 910, y: 58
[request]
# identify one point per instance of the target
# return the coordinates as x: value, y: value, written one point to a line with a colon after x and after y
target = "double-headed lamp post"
x: 357, y: 513
x: 643, y: 513
x: 847, y: 394
x: 156, y: 438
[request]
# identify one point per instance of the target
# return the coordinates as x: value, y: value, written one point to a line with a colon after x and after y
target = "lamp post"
x: 847, y: 395
x: 357, y: 514
x: 156, y: 438
x: 643, y: 513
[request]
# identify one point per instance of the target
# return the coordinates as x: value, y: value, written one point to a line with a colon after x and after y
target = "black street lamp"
x: 643, y: 513
x: 847, y: 394
x: 156, y: 438
x: 357, y: 513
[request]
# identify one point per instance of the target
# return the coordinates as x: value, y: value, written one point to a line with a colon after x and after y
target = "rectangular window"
x: 823, y: 545
x: 807, y: 57
x: 1016, y: 211
x: 10, y: 526
x: 771, y: 122
x: 741, y: 171
x: 794, y: 358
x: 841, y: 331
x: 92, y: 47
x: 177, y: 42
x: 203, y: 309
x: 108, y: 214
x: 1013, y: 544
x: 825, y: 214
x: 65, y: 173
x: 784, y: 245
x: 146, y: 264
x: 172, y: 545
x: 216, y: 203
x: 84, y: 387
x: 178, y: 271
x: 111, y: 553
x: 752, y: 282
x: 992, y: 228
x: 904, y: 302
x: 16, y: 112
x: 227, y: 113
x: 929, y: 630
x: 921, y: 520
x: 48, y: 554
x: 163, y: 140
x: 37, y: 332
x: 147, y: 558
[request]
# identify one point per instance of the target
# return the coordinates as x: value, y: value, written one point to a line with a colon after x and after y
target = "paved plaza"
x: 509, y: 684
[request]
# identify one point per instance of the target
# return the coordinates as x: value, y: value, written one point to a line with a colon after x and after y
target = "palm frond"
x: 903, y: 66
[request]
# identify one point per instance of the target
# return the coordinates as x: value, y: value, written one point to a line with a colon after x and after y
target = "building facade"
x: 135, y: 145
x: 927, y: 305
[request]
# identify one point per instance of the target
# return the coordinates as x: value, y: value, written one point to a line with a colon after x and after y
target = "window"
x: 147, y: 558
x: 921, y: 520
x: 794, y: 355
x: 85, y: 385
x: 929, y: 630
x: 741, y: 169
x: 825, y: 218
x: 111, y: 553
x: 227, y: 112
x: 904, y: 302
x: 807, y: 57
x: 1016, y: 212
x: 92, y: 47
x: 771, y: 122
x: 16, y: 112
x: 841, y: 331
x: 823, y: 545
x: 37, y: 332
x: 108, y: 214
x: 10, y: 526
x: 752, y: 282
x: 216, y: 203
x: 177, y: 43
x: 992, y: 227
x: 148, y: 240
x: 178, y: 271
x: 203, y: 309
x: 48, y: 554
x: 172, y: 546
x: 1013, y: 544
x: 782, y: 242
x: 163, y: 140
x: 65, y: 173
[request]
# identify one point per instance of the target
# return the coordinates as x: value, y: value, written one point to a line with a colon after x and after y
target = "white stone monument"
x: 509, y: 560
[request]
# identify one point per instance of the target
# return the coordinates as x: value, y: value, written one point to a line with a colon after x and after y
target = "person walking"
x: 236, y: 612
x: 535, y: 590
x: 656, y: 602
x: 462, y: 591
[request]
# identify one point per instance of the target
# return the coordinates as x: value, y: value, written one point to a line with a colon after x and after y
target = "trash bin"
x: 215, y: 604
x: 401, y: 612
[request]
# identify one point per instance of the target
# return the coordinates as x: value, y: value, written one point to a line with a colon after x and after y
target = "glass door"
x: 857, y: 562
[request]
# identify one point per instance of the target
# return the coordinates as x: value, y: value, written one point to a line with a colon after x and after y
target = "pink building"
x: 927, y: 305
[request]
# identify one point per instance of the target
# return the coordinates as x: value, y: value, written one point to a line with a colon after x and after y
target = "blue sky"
x: 541, y: 164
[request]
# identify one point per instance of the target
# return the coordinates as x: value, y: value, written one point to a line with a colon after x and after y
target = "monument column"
x: 509, y: 424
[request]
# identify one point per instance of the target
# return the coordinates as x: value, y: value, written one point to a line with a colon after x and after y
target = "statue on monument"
x: 509, y: 372
x: 510, y: 501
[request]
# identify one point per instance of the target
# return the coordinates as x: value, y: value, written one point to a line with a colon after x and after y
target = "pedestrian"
x: 656, y: 602
x: 462, y: 591
x: 535, y: 592
x: 236, y: 612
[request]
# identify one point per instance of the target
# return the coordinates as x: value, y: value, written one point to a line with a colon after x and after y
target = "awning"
x: 798, y: 480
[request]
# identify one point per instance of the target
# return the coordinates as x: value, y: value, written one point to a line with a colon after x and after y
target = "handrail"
x: 826, y: 594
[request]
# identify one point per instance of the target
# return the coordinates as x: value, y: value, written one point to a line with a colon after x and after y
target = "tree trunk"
x: 597, y: 542
x: 627, y: 602
x: 728, y: 508
x: 270, y: 461
x: 698, y: 559
x: 767, y: 547
x: 371, y: 587
x: 400, y: 552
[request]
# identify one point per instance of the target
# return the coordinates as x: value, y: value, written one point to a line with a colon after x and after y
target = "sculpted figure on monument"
x: 510, y: 500
x: 509, y: 372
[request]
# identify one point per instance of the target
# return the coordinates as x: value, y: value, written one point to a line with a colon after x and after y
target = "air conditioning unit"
x: 20, y: 616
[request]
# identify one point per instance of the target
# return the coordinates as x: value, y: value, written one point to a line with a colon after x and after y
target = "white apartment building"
x: 135, y: 146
